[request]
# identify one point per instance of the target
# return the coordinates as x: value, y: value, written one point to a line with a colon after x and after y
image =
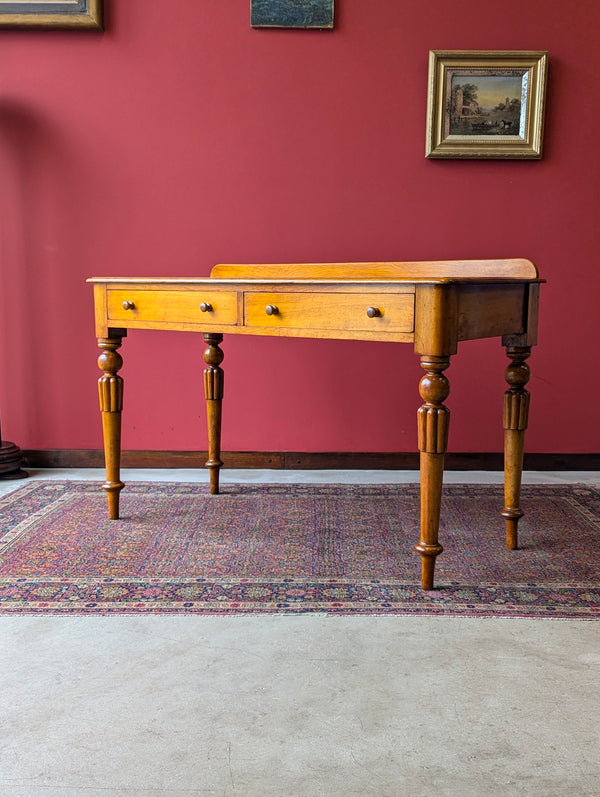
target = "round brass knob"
x: 206, y: 307
x: 272, y: 309
x: 127, y: 305
x: 374, y: 312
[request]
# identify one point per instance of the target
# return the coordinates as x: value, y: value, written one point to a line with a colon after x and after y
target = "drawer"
x: 394, y: 312
x: 173, y: 306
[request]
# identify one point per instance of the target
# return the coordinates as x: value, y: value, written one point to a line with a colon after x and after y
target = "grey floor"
x: 299, y: 705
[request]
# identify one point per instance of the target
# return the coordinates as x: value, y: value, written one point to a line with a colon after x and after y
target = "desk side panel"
x: 487, y: 311
x: 530, y: 332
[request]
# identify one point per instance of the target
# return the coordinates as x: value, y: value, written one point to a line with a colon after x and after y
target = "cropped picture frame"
x: 486, y: 103
x: 82, y: 14
x: 292, y: 14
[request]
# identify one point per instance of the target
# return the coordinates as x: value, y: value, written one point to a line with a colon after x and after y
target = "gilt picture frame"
x: 69, y: 14
x: 486, y: 104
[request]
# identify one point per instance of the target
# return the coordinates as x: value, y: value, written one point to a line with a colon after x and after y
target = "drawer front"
x: 173, y: 306
x: 391, y: 312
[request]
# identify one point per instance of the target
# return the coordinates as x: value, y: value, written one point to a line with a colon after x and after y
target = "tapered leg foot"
x: 213, y: 475
x: 512, y: 534
x: 213, y: 391
x: 113, y: 491
x: 428, y: 557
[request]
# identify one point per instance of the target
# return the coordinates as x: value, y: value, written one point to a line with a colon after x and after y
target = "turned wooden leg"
x: 516, y: 412
x: 433, y: 420
x: 110, y: 388
x: 213, y: 391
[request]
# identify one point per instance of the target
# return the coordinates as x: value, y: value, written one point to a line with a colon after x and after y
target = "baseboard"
x: 286, y: 460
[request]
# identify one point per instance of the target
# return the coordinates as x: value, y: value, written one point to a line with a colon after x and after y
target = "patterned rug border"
x: 333, y: 596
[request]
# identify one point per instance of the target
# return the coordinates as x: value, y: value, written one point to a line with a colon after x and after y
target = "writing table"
x: 432, y: 305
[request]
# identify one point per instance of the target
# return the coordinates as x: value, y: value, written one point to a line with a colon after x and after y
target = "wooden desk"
x: 431, y: 305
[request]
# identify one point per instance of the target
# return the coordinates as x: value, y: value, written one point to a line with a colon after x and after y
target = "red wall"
x: 181, y: 137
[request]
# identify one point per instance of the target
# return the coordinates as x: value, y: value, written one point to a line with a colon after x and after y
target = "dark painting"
x: 292, y: 13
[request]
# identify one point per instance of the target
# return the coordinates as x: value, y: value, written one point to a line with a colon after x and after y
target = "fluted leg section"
x: 516, y: 413
x: 213, y: 391
x: 110, y: 389
x: 432, y: 421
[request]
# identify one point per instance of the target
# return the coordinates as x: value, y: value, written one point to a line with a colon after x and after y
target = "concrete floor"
x: 299, y: 706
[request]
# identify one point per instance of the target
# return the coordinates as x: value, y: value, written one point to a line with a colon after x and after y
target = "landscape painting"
x: 291, y: 13
x: 487, y: 104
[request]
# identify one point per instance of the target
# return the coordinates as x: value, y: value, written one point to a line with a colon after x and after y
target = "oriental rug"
x: 337, y: 549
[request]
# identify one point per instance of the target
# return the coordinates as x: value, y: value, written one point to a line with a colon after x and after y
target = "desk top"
x: 427, y: 271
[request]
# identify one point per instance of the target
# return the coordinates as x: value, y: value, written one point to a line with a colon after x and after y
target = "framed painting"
x: 41, y: 14
x: 291, y: 13
x: 486, y: 104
